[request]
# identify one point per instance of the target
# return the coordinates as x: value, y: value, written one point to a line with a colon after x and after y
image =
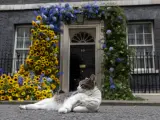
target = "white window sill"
x: 145, y: 71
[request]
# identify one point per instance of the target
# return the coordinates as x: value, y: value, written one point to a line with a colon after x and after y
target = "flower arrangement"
x: 38, y: 78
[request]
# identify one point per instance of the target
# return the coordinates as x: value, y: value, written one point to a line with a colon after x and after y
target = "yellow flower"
x: 46, y: 53
x: 23, y: 93
x: 14, y: 89
x: 15, y: 79
x: 24, y: 83
x: 27, y: 97
x: 3, y: 76
x: 53, y: 77
x: 16, y: 85
x: 53, y: 86
x: 17, y: 95
x: 9, y: 91
x: 48, y: 45
x: 35, y: 88
x: 37, y: 68
x: 1, y: 91
x: 42, y: 27
x: 3, y: 97
x: 10, y: 98
x: 10, y: 81
x: 8, y: 77
x: 49, y: 71
x: 32, y: 30
x: 1, y: 82
x: 38, y: 17
x: 56, y: 62
x: 43, y: 72
x: 37, y: 93
x: 47, y: 63
x: 36, y: 42
x: 20, y: 99
x: 34, y: 23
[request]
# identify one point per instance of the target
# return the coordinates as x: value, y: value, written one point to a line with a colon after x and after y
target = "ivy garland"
x: 115, y: 64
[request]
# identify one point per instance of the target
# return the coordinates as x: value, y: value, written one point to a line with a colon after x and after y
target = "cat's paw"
x: 63, y: 110
x: 23, y: 107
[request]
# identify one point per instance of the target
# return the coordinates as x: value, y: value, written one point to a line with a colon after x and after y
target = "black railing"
x: 144, y: 77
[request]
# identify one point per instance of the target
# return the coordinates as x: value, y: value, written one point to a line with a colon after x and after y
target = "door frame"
x: 65, y: 53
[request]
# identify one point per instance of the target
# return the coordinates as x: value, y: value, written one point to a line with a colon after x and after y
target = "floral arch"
x: 38, y: 78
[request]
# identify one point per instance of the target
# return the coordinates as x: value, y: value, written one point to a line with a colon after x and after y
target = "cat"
x: 87, y: 98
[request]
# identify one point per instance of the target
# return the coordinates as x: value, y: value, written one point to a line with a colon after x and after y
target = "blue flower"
x: 110, y: 48
x: 112, y: 86
x: 54, y: 19
x: 60, y: 73
x: 41, y: 78
x: 20, y: 80
x: 51, y: 26
x: 44, y: 16
x: 43, y: 10
x: 67, y: 5
x: 1, y: 71
x: 108, y: 32
x: 104, y: 46
x: 38, y: 22
x: 31, y: 74
x: 54, y: 45
x: 111, y: 69
x: 49, y: 79
x: 119, y: 60
x: 111, y: 80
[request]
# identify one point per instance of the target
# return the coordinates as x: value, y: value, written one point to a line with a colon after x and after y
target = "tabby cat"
x: 87, y: 98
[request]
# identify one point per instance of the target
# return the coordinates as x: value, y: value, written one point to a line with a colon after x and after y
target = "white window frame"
x: 14, y: 65
x: 144, y: 70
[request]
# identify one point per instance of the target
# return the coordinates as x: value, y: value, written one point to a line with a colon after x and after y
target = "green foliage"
x: 116, y: 66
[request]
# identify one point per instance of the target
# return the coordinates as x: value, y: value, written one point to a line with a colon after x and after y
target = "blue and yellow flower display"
x: 38, y: 78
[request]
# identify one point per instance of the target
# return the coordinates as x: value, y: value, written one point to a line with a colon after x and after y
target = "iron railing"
x: 145, y: 74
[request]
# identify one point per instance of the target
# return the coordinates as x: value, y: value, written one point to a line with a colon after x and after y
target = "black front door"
x: 81, y: 55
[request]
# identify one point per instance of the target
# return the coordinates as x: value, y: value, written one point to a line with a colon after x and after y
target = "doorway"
x: 82, y: 55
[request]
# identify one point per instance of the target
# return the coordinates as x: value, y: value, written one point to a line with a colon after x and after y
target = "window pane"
x: 147, y: 28
x: 140, y: 38
x: 19, y: 42
x: 27, y: 43
x: 131, y: 39
x: 131, y: 29
x: 148, y: 38
x: 27, y: 32
x: 20, y: 32
x: 21, y: 54
x: 139, y: 28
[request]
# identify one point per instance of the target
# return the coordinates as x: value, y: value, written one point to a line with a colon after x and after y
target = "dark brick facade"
x: 8, y: 20
x: 7, y: 2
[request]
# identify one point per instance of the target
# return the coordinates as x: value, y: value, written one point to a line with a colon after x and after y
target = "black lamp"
x: 80, y: 18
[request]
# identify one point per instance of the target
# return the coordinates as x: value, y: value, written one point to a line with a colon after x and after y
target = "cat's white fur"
x: 89, y: 101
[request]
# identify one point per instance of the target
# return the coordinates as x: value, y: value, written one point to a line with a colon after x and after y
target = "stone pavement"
x: 12, y: 112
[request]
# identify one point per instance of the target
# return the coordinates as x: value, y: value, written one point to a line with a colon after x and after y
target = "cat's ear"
x: 92, y: 77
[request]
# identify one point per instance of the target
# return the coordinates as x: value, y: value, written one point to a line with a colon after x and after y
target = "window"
x: 140, y: 39
x: 22, y: 43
